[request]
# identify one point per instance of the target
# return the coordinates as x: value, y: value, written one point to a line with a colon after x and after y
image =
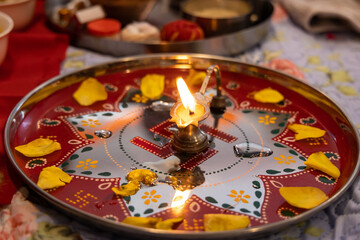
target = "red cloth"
x: 34, y: 56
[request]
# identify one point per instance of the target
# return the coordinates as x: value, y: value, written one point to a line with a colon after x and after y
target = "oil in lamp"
x: 190, y: 110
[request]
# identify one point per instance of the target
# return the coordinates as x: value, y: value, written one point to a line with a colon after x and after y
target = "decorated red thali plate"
x: 101, y: 143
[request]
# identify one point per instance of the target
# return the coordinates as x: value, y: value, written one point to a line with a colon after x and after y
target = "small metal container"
x: 218, y: 17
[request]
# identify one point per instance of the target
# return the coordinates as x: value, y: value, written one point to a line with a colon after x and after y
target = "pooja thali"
x: 161, y: 13
x: 103, y: 142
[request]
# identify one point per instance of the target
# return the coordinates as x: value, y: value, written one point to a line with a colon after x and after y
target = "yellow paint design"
x: 139, y: 98
x: 315, y: 60
x: 53, y: 177
x: 303, y: 197
x: 38, y: 147
x: 150, y: 197
x: 225, y: 222
x: 239, y: 196
x: 86, y: 164
x: 284, y: 160
x: 81, y: 199
x: 267, y: 120
x: 91, y: 123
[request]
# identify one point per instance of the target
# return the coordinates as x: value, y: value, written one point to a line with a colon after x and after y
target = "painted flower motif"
x: 91, y: 123
x: 88, y: 163
x: 267, y: 120
x: 140, y: 98
x: 239, y: 196
x: 150, y: 197
x: 286, y: 160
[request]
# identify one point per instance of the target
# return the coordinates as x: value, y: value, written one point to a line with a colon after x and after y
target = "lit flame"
x: 179, y: 198
x: 186, y: 97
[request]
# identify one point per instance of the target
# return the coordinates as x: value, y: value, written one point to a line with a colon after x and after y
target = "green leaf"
x: 86, y: 149
x: 331, y: 155
x: 256, y: 184
x: 287, y: 213
x: 108, y: 114
x: 88, y: 136
x: 293, y: 152
x: 74, y: 123
x: 258, y: 194
x: 211, y: 199
x: 270, y: 171
x: 256, y: 204
x: 247, y: 111
x: 80, y: 129
x: 131, y: 208
x: 302, y: 167
x: 279, y: 145
x: 275, y: 131
x: 127, y: 199
x: 105, y: 174
x: 162, y: 205
x: 69, y: 171
x: 137, y: 215
x: 326, y: 180
x: 282, y: 124
x: 302, y: 158
x: 87, y: 172
x: 149, y: 210
x: 62, y: 165
x: 34, y: 162
x: 244, y: 210
x: 73, y: 157
x: 257, y: 213
x: 227, y: 206
x: 289, y: 170
x: 261, y: 112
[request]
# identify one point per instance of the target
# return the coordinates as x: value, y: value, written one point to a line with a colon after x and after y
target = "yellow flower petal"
x: 320, y: 162
x: 152, y: 85
x: 168, y: 224
x: 303, y: 197
x: 52, y: 177
x: 148, y: 222
x: 127, y: 189
x: 268, y: 95
x: 145, y: 176
x: 38, y: 147
x: 304, y: 131
x: 89, y: 92
x: 223, y: 222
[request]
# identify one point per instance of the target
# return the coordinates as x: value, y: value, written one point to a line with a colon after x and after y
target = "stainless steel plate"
x: 226, y: 45
x: 140, y: 136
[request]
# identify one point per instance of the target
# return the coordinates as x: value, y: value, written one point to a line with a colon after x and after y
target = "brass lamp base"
x: 190, y: 140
